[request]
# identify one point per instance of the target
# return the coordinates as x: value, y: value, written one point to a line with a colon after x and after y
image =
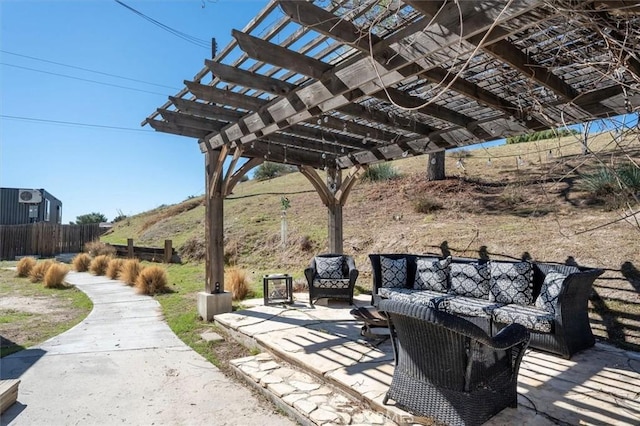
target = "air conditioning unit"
x: 32, y: 196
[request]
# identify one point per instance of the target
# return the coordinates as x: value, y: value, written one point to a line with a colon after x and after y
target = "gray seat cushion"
x: 533, y: 318
x: 403, y: 294
x: 427, y: 297
x: 467, y: 306
x: 331, y: 283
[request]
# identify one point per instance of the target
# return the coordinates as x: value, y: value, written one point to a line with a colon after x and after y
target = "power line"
x: 86, y: 69
x: 70, y: 123
x: 82, y: 79
x: 180, y: 34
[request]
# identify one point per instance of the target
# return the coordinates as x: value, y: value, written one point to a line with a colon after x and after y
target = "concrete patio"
x: 316, y: 365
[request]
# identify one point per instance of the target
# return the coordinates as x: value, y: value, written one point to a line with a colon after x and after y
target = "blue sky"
x: 103, y: 169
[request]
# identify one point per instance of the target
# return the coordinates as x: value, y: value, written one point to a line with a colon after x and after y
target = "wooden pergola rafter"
x: 340, y: 85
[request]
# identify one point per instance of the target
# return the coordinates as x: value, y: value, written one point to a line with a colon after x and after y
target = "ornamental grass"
x: 130, y: 271
x: 54, y: 278
x: 114, y: 268
x: 99, y: 264
x: 39, y: 270
x: 24, y: 266
x: 81, y: 262
x: 236, y: 281
x: 152, y: 280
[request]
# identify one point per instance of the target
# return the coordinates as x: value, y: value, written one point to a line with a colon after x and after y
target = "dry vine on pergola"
x: 339, y: 85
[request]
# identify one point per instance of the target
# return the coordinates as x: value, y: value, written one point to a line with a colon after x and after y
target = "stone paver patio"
x: 597, y: 386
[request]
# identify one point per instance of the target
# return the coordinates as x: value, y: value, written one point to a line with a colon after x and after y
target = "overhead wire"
x: 81, y: 79
x: 70, y: 123
x: 186, y: 37
x: 86, y: 69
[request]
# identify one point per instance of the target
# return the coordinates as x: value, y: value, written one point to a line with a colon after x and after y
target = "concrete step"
x: 306, y: 398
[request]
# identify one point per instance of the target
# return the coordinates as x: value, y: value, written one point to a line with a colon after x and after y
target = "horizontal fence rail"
x: 45, y: 239
x: 166, y: 254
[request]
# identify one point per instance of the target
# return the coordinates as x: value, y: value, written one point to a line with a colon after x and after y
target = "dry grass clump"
x: 81, y: 262
x: 54, y: 278
x: 236, y: 281
x: 114, y: 268
x: 24, y: 266
x: 98, y: 248
x: 152, y: 280
x: 99, y: 264
x: 39, y: 270
x: 194, y: 249
x: 130, y: 271
x: 173, y: 210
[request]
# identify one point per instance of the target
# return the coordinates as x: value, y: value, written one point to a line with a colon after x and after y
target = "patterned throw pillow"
x: 394, y: 272
x: 470, y: 279
x: 511, y: 283
x: 432, y: 274
x: 329, y: 267
x: 548, y: 298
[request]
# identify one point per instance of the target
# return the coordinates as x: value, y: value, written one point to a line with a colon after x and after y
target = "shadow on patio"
x: 598, y: 386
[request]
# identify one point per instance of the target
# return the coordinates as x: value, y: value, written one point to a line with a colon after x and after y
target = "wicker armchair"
x: 331, y: 276
x: 448, y: 369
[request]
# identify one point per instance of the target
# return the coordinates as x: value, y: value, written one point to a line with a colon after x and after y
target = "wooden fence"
x: 45, y: 239
x: 165, y: 254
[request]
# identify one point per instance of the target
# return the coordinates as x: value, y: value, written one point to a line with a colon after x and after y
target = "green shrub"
x: 269, y: 170
x: 426, y: 205
x: 606, y: 181
x: 24, y: 266
x: 380, y: 172
x: 542, y: 135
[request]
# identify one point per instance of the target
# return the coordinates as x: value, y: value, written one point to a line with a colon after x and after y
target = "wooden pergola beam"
x: 324, y: 22
x: 328, y: 92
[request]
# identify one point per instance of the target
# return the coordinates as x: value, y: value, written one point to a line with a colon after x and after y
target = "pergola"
x: 340, y: 85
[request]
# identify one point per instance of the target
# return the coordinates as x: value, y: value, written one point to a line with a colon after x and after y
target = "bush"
x: 81, y: 262
x: 380, y: 172
x: 306, y: 243
x: 24, y: 266
x: 269, y: 170
x: 152, y: 280
x: 542, y: 135
x: 99, y: 264
x: 237, y: 282
x: 426, y: 205
x: 461, y: 154
x: 606, y: 181
x: 39, y: 271
x: 130, y: 271
x: 194, y: 249
x: 98, y: 248
x: 113, y: 270
x: 54, y: 278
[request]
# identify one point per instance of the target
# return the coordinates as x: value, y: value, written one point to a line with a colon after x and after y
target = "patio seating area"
x: 316, y: 364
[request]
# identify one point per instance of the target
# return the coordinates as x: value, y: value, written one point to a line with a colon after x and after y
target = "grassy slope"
x: 507, y: 208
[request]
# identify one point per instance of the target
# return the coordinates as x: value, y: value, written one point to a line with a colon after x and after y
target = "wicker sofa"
x: 448, y: 369
x: 550, y: 300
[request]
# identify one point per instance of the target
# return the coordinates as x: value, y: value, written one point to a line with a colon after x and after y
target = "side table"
x: 277, y: 288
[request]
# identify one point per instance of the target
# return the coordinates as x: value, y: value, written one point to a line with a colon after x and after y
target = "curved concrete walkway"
x: 124, y: 365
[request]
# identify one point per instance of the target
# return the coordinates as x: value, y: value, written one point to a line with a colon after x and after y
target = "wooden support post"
x: 130, y: 248
x: 334, y: 181
x: 214, y: 221
x: 168, y: 251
